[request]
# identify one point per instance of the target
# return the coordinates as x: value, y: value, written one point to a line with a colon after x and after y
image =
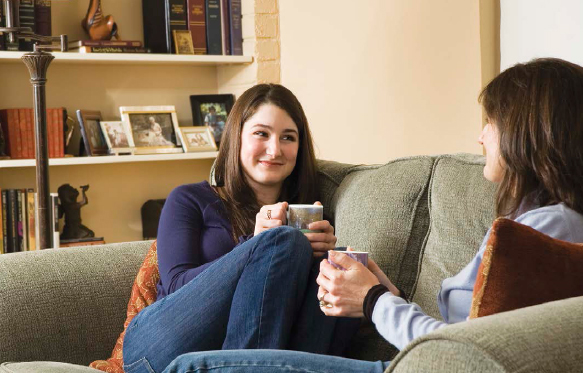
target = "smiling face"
x: 490, y: 140
x: 269, y: 147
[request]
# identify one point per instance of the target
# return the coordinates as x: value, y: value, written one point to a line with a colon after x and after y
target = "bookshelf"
x: 119, y: 185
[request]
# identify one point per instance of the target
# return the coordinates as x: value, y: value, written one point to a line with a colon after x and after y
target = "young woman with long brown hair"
x: 533, y: 143
x: 232, y: 275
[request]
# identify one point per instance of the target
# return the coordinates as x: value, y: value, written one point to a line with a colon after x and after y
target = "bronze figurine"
x: 98, y: 26
x: 72, y: 211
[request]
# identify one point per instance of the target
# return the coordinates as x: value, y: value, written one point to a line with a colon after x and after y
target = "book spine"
x: 42, y: 17
x: 105, y: 43
x: 226, y: 27
x: 30, y: 219
x: 22, y: 233
x: 55, y: 128
x: 5, y: 215
x: 197, y: 25
x: 176, y: 18
x: 13, y: 222
x: 112, y: 50
x: 36, y: 218
x: 213, y: 27
x: 22, y: 130
x: 30, y: 133
x: 236, y: 28
x: 61, y: 132
x: 50, y: 132
x: 156, y: 37
x: 26, y: 19
x: 15, y: 125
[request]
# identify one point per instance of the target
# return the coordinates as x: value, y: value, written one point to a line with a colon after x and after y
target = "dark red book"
x: 10, y: 131
x: 42, y: 17
x: 22, y: 124
x: 176, y: 18
x: 197, y: 25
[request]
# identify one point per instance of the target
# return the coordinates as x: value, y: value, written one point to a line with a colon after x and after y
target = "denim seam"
x: 235, y: 365
x: 264, y: 287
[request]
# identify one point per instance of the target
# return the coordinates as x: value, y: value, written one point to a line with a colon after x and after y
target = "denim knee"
x: 287, y: 239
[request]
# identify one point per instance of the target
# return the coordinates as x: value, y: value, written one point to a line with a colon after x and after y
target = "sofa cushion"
x: 523, y: 267
x: 144, y: 293
x: 383, y: 210
x: 44, y: 367
x: 461, y: 209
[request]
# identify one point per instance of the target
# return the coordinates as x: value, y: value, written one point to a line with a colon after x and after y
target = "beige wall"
x: 381, y: 79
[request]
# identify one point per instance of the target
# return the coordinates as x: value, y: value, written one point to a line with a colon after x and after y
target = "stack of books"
x: 107, y: 46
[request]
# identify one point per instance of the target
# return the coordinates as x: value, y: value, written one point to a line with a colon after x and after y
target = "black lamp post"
x: 38, y: 62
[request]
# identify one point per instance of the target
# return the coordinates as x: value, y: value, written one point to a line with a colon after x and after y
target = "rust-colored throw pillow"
x: 523, y: 267
x: 144, y: 293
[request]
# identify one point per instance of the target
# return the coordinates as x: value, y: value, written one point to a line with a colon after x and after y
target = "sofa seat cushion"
x: 144, y: 293
x: 44, y: 367
x: 523, y: 267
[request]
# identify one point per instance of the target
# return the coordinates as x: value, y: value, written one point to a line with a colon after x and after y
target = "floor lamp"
x: 37, y: 63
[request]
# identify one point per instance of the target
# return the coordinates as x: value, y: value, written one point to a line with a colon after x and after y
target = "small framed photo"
x: 212, y: 111
x: 183, y: 42
x: 118, y: 137
x: 93, y: 138
x: 154, y: 129
x: 198, y: 139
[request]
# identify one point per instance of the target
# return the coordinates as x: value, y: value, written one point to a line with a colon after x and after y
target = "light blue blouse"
x: 400, y: 322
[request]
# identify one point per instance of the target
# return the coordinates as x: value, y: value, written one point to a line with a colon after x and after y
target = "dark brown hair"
x: 538, y: 110
x: 299, y: 187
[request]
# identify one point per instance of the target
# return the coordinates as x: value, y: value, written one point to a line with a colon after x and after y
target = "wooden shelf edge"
x: 72, y: 161
x: 135, y: 58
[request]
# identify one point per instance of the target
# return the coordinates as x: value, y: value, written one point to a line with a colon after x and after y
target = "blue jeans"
x: 256, y: 297
x: 270, y: 361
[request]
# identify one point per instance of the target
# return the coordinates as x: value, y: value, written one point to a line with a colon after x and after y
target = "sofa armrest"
x: 543, y: 338
x: 68, y: 304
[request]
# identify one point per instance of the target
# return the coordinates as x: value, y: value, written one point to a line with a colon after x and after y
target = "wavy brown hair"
x: 538, y: 110
x: 238, y: 197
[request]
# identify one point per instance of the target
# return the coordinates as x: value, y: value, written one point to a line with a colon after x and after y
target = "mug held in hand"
x: 300, y: 216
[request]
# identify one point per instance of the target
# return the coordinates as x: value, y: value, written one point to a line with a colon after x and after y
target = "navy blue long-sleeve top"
x: 194, y: 231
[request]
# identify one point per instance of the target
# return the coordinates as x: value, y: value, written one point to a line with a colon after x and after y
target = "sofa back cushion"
x: 461, y: 209
x: 75, y: 310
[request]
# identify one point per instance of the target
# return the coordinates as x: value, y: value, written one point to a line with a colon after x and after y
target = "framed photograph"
x: 154, y: 129
x: 198, y: 139
x: 118, y: 137
x: 183, y: 42
x: 93, y: 138
x: 212, y: 111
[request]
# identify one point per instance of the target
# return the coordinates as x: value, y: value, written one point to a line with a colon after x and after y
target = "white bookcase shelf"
x: 71, y: 161
x: 134, y: 58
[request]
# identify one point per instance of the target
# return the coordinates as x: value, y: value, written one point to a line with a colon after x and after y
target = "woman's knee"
x: 287, y: 239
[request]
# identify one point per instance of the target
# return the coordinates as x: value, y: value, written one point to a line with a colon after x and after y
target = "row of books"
x: 35, y: 14
x: 19, y: 216
x: 18, y: 131
x: 215, y: 25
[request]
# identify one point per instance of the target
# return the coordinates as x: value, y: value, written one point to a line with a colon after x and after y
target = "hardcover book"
x: 2, y: 230
x: 13, y: 220
x: 225, y: 27
x: 5, y: 225
x: 197, y: 24
x: 26, y: 19
x: 2, y: 24
x: 213, y: 27
x: 104, y: 43
x: 42, y: 17
x: 156, y: 36
x: 176, y: 18
x: 236, y: 28
x: 31, y: 218
x: 113, y: 49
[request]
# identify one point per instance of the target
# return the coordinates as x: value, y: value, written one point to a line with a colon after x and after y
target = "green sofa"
x: 421, y: 218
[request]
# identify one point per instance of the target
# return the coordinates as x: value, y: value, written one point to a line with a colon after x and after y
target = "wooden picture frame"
x: 93, y: 138
x: 154, y: 129
x: 118, y: 137
x: 202, y: 106
x: 198, y: 139
x: 183, y: 42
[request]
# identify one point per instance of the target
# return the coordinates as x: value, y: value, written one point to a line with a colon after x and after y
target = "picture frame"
x: 154, y: 129
x: 198, y: 139
x: 93, y: 139
x: 202, y: 106
x: 118, y: 137
x: 183, y: 42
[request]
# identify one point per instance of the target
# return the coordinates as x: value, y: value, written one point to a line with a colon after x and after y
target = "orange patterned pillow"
x: 144, y: 293
x: 523, y: 267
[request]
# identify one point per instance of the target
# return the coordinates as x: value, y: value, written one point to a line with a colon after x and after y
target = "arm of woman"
x: 179, y: 232
x: 396, y: 320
